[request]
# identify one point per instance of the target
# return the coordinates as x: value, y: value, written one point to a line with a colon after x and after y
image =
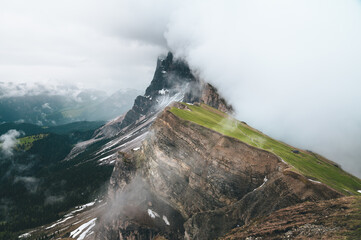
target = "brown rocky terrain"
x: 202, y: 182
x: 210, y: 96
x: 331, y: 219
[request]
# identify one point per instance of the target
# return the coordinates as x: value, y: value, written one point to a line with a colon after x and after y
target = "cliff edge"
x: 189, y: 181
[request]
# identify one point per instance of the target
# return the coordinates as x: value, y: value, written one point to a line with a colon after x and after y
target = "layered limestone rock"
x: 203, y: 183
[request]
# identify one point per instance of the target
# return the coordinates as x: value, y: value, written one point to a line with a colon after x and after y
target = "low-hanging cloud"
x: 53, y: 199
x: 290, y: 68
x: 30, y: 183
x: 8, y: 142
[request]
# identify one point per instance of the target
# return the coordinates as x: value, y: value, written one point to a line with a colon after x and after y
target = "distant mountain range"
x: 49, y: 107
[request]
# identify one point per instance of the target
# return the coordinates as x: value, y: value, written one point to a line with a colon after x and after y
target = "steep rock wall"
x: 205, y: 182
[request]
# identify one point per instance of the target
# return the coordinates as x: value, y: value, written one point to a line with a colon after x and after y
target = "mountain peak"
x: 173, y: 80
x: 170, y: 74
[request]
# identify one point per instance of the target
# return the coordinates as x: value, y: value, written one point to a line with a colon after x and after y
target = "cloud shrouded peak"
x: 290, y: 68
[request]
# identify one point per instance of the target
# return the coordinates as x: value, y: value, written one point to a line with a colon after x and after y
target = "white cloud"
x: 290, y: 68
x: 46, y: 106
x: 86, y: 42
x: 50, y: 200
x: 8, y: 142
x: 30, y: 183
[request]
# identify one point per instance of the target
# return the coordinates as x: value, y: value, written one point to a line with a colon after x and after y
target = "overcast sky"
x: 291, y: 68
x: 99, y: 44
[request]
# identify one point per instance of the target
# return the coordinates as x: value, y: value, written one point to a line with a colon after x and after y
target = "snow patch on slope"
x: 152, y: 214
x: 60, y: 221
x: 314, y: 181
x: 71, y: 214
x: 83, y: 229
x: 165, y: 219
x: 25, y: 235
x: 106, y: 158
x: 264, y: 182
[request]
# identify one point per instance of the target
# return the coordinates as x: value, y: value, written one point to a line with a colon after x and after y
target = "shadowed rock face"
x: 281, y: 190
x: 170, y: 74
x: 331, y: 219
x: 203, y: 182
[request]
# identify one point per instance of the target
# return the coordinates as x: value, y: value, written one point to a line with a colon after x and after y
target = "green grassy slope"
x: 307, y: 163
x: 26, y: 143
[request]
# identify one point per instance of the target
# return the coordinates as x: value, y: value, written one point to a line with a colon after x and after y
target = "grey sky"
x: 291, y: 68
x: 97, y: 44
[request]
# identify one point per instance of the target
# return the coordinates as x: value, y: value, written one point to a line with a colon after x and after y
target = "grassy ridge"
x: 307, y: 163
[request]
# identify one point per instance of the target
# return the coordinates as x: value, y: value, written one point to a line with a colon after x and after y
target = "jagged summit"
x: 173, y: 80
x: 170, y: 74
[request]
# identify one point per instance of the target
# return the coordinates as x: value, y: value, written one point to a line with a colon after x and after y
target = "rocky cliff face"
x: 173, y: 81
x: 332, y: 219
x: 210, y: 96
x: 187, y: 181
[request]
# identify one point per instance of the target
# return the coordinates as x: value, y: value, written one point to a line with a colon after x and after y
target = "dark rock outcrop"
x: 170, y: 74
x: 332, y: 219
x: 211, y: 97
x: 283, y: 189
